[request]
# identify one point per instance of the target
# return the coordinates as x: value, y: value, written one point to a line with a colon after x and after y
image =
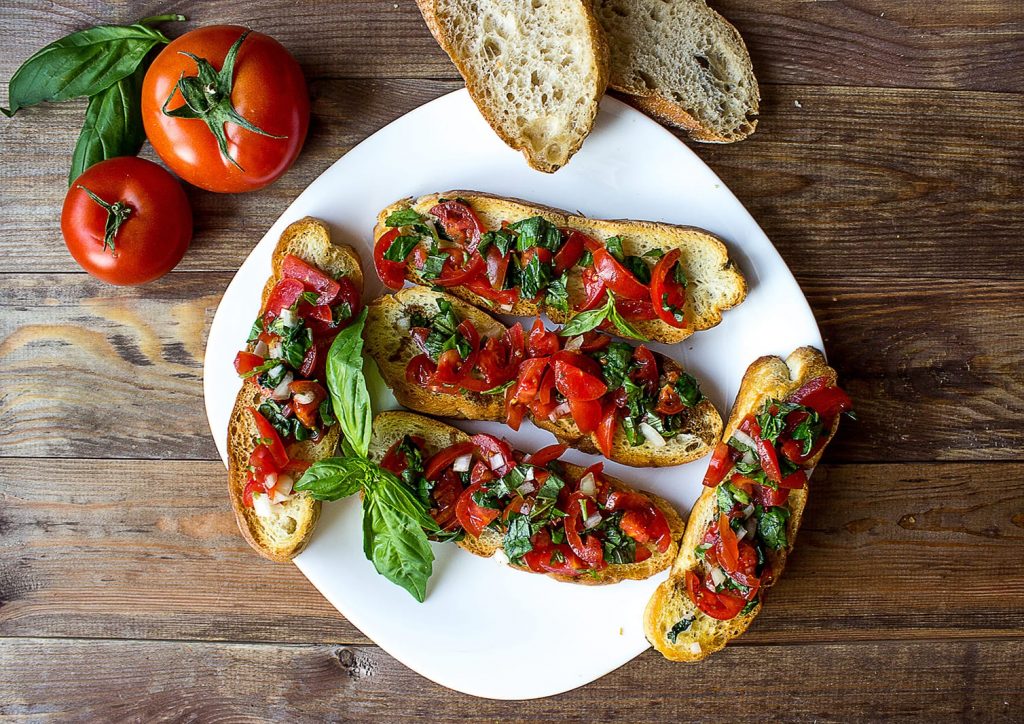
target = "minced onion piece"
x: 461, y: 464
x: 575, y: 343
x: 529, y: 474
x: 748, y: 458
x: 284, y: 484
x: 526, y: 488
x: 751, y: 526
x: 276, y: 496
x: 717, y: 576
x: 653, y: 436
x: 592, y: 520
x: 304, y: 398
x: 694, y: 647
x: 270, y: 480
x: 497, y: 460
x: 505, y: 307
x: 560, y: 411
x: 276, y: 350
x: 741, y: 534
x: 261, y: 349
x: 748, y: 511
x: 288, y: 318
x: 588, y: 485
x: 281, y: 391
x: 745, y: 439
x: 261, y: 504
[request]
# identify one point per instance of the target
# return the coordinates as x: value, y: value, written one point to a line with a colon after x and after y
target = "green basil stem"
x: 207, y: 97
x: 117, y: 214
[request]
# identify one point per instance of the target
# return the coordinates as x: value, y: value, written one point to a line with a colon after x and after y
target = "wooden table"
x: 887, y: 169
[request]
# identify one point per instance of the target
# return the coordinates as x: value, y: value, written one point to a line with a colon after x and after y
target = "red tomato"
x: 395, y: 461
x: 251, y: 486
x: 266, y: 89
x: 593, y: 341
x: 245, y: 362
x: 649, y: 519
x: 575, y: 384
x: 721, y: 463
x: 768, y: 497
x: 555, y: 559
x: 497, y: 267
x: 531, y: 372
x: 586, y: 414
x: 155, y: 227
x: 545, y: 455
x: 719, y: 606
x: 645, y: 371
x: 570, y: 252
x: 826, y: 401
x: 490, y: 447
x: 270, y: 438
x: 471, y: 516
x: 514, y: 410
x: 420, y: 371
x: 635, y: 309
x: 482, y: 287
x: 292, y: 267
x: 307, y: 411
x: 284, y: 294
x: 606, y: 430
x: 594, y: 290
x: 262, y: 461
x: 617, y: 277
x: 445, y: 497
x: 391, y: 273
x: 451, y: 276
x: 589, y: 550
x: 460, y: 222
x: 669, y: 401
x: 541, y: 342
x: 728, y: 550
x: 794, y: 481
x: 665, y: 287
x: 442, y: 459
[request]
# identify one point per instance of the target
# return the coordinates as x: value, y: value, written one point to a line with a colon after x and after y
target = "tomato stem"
x: 117, y: 214
x: 207, y: 97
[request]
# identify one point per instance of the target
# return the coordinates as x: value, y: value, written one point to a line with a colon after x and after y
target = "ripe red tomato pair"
x: 227, y: 110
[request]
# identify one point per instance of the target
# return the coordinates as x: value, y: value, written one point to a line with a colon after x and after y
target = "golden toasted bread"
x: 389, y: 344
x: 715, y: 285
x: 767, y: 377
x: 286, y: 531
x: 389, y: 427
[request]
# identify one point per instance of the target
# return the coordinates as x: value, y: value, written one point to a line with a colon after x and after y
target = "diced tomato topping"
x: 719, y: 606
x: 541, y: 342
x: 586, y: 414
x: 617, y: 277
x: 826, y: 401
x: 284, y: 294
x: 669, y: 401
x: 594, y: 290
x: 453, y: 276
x: 460, y: 222
x: 728, y: 551
x: 497, y: 267
x: 391, y: 273
x: 251, y: 486
x: 270, y: 438
x: 645, y: 518
x: 666, y: 290
x: 635, y: 309
x: 766, y: 496
x: 445, y: 497
x: 443, y: 459
x: 794, y: 481
x: 292, y: 267
x: 570, y: 252
x: 545, y: 455
x: 307, y: 411
x: 558, y: 559
x: 606, y: 430
x: 472, y: 517
x: 590, y: 549
x: 575, y: 384
x: 514, y: 410
x: 645, y: 370
x: 721, y: 463
x: 491, y: 447
x: 262, y: 461
x: 482, y: 287
x: 246, y: 362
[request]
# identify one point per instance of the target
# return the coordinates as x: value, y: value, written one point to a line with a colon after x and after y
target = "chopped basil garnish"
x: 401, y: 248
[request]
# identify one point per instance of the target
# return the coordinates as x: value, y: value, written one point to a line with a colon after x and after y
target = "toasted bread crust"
x: 766, y: 377
x: 308, y: 239
x: 716, y: 285
x: 391, y: 347
x: 391, y: 426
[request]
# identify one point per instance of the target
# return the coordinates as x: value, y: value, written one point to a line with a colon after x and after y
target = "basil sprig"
x: 105, y: 64
x: 347, y: 386
x: 593, y: 318
x: 395, y: 522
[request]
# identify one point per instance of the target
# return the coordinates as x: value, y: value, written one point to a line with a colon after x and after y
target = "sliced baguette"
x: 535, y: 70
x: 683, y: 63
x: 767, y: 377
x: 715, y: 283
x: 284, y: 535
x: 390, y: 345
x: 389, y: 427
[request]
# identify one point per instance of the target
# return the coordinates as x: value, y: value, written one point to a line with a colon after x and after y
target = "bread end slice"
x: 683, y: 63
x: 283, y: 536
x: 536, y: 70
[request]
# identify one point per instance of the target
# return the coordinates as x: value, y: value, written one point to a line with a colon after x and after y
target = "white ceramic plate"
x: 486, y: 629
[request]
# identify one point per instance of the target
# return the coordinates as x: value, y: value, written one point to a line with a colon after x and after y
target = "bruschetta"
x: 745, y: 522
x: 443, y: 356
x: 664, y: 281
x: 546, y: 516
x: 282, y: 419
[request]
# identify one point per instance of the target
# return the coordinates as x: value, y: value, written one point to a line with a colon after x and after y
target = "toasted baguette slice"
x: 767, y: 377
x: 683, y: 63
x: 715, y: 284
x: 389, y: 427
x: 535, y: 70
x: 389, y: 344
x: 284, y: 535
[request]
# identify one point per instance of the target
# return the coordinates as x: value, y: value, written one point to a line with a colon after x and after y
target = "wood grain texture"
x: 847, y: 179
x: 936, y: 370
x: 881, y: 549
x: 973, y: 45
x: 176, y: 681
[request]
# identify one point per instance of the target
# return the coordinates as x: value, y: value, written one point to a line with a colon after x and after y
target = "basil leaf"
x: 625, y: 328
x: 403, y: 217
x: 614, y: 246
x: 535, y: 277
x: 557, y: 295
x: 401, y: 247
x: 771, y: 527
x: 639, y: 267
x: 680, y: 626
x: 83, y: 63
x: 347, y: 385
x: 397, y: 547
x: 584, y: 322
x: 113, y: 124
x: 688, y: 389
x: 516, y: 543
x: 334, y: 478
